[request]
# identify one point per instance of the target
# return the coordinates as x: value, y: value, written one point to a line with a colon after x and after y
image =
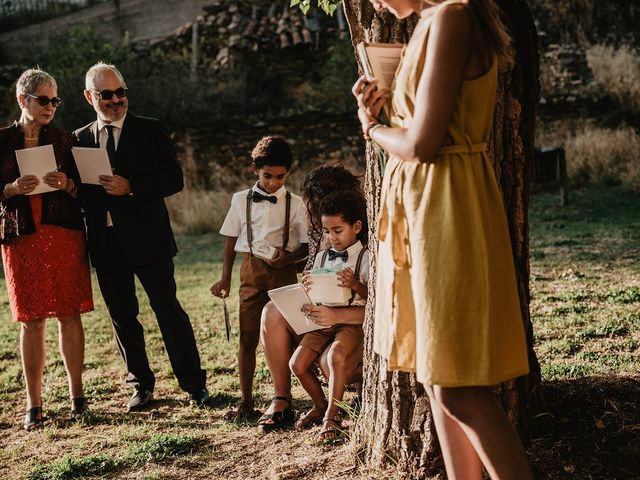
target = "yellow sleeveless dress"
x: 447, y: 306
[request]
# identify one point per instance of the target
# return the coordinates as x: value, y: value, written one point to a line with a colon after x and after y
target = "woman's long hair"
x: 494, y: 32
x: 320, y: 182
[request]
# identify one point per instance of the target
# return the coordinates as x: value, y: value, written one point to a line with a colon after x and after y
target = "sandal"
x: 33, y: 419
x: 243, y: 411
x: 329, y: 434
x: 276, y: 420
x: 79, y: 408
x: 309, y: 419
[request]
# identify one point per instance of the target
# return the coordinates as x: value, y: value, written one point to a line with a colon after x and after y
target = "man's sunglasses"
x: 43, y: 100
x: 108, y: 94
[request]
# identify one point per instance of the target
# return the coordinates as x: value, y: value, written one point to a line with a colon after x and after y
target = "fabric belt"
x: 463, y: 148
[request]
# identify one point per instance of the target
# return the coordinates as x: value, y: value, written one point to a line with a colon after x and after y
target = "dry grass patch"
x: 596, y: 155
x: 618, y: 71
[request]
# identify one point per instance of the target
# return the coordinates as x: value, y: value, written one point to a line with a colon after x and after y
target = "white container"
x: 324, y: 290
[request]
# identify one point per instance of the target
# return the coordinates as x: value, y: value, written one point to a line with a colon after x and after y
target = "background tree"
x: 396, y: 416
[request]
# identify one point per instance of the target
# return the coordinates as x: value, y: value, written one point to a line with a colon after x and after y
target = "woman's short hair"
x: 32, y: 79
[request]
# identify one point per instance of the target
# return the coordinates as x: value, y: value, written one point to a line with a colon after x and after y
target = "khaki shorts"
x: 348, y: 337
x: 256, y: 279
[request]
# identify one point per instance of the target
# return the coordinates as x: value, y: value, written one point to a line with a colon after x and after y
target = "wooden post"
x: 193, y: 73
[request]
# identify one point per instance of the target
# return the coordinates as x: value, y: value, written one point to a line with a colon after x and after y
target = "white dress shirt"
x: 267, y: 220
x: 103, y: 136
x: 352, y: 259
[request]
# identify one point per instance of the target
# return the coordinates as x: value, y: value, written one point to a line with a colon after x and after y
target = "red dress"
x: 47, y: 273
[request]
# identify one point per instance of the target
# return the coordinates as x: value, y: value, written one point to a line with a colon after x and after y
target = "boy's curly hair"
x: 272, y: 150
x: 320, y: 182
x: 351, y: 206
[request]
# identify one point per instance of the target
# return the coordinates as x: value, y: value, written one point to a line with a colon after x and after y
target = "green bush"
x: 331, y: 91
x: 159, y: 85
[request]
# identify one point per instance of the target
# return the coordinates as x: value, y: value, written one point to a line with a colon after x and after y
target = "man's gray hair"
x: 95, y: 72
x: 32, y: 79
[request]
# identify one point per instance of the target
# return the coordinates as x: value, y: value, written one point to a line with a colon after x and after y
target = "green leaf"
x: 328, y: 6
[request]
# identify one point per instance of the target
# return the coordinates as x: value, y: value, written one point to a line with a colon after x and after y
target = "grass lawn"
x: 585, y: 307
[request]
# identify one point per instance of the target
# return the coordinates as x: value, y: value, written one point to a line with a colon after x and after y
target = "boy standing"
x: 265, y: 223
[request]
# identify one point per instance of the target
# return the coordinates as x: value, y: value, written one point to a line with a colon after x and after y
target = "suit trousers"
x: 117, y: 285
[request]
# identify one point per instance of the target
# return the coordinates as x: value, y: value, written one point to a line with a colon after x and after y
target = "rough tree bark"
x: 396, y: 417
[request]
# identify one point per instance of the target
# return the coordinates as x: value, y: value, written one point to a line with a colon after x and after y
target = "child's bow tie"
x: 344, y: 255
x: 258, y: 197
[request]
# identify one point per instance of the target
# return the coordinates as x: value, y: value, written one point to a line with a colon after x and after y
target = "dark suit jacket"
x: 146, y: 157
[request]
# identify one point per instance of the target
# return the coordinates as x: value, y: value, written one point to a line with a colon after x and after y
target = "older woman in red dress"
x: 43, y: 245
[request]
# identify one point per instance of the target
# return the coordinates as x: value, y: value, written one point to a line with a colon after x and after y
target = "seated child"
x: 265, y: 223
x: 344, y: 221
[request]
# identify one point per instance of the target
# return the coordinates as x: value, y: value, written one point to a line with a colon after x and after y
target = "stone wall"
x: 142, y: 19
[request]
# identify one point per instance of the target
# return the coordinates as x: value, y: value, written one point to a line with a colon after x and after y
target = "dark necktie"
x: 258, y: 197
x: 344, y: 255
x: 111, y: 145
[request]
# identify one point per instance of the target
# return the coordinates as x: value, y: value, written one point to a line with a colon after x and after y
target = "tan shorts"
x: 256, y: 279
x: 348, y: 337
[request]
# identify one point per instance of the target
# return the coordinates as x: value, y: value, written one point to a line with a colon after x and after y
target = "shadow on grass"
x: 591, y: 430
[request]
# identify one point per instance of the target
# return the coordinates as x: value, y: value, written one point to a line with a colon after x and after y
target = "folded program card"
x: 380, y: 60
x: 91, y: 163
x: 37, y: 161
x: 289, y: 300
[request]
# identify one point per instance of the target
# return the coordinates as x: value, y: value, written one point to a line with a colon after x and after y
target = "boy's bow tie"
x: 258, y: 197
x: 344, y: 255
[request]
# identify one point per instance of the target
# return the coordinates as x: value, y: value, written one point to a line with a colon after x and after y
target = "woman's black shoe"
x: 33, y: 419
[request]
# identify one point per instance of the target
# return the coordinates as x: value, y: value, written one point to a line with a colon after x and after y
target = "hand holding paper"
x: 23, y: 185
x: 290, y: 300
x: 115, y: 185
x: 321, y: 315
x: 91, y: 163
x: 35, y: 162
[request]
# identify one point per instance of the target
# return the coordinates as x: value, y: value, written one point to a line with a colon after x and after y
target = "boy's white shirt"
x: 352, y: 259
x: 267, y: 220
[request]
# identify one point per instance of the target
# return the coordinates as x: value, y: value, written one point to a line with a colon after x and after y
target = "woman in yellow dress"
x: 447, y: 306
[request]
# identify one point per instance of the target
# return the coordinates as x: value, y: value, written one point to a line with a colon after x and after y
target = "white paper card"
x: 324, y: 290
x: 289, y: 300
x: 91, y: 163
x: 263, y: 250
x: 37, y: 161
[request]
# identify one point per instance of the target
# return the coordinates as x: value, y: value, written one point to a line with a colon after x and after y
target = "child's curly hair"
x: 320, y: 182
x: 272, y: 150
x: 351, y: 206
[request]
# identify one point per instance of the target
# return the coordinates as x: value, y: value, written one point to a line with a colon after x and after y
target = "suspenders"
x: 285, y: 233
x: 356, y: 272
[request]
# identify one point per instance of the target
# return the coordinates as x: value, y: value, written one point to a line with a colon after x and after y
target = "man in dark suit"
x: 129, y: 234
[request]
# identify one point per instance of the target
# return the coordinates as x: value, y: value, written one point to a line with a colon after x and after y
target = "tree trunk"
x: 396, y: 421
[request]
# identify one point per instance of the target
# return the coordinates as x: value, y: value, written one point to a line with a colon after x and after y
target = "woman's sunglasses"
x: 43, y: 100
x: 108, y: 94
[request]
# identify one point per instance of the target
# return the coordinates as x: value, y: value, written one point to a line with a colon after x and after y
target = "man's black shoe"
x: 140, y: 400
x: 200, y: 398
